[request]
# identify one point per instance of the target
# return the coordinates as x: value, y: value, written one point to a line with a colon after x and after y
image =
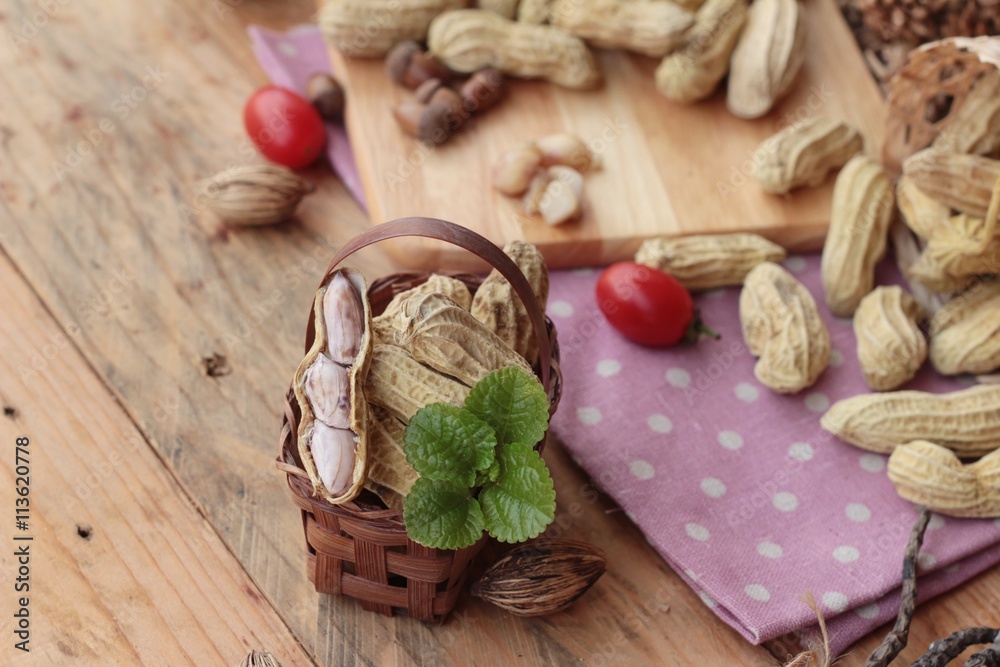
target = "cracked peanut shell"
x: 891, y: 347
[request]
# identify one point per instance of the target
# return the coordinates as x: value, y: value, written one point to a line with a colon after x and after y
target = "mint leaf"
x: 513, y: 402
x: 442, y: 515
x: 522, y: 502
x: 448, y: 443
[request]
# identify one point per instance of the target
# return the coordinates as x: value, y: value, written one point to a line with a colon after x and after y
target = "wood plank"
x: 146, y: 287
x: 669, y: 168
x: 123, y: 568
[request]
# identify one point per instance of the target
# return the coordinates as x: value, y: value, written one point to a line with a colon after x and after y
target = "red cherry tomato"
x: 284, y: 126
x: 647, y: 306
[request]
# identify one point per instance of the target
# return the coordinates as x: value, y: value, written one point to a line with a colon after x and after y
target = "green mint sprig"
x: 478, y: 467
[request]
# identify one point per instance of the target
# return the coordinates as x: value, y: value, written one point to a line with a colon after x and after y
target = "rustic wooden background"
x: 145, y: 352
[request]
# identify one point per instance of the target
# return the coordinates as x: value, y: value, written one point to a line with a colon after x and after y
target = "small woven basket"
x: 360, y: 548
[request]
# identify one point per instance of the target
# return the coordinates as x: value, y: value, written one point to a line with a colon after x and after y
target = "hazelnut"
x: 430, y: 123
x: 398, y: 60
x: 326, y: 94
x: 426, y: 89
x: 483, y: 89
x: 421, y: 68
x: 451, y: 101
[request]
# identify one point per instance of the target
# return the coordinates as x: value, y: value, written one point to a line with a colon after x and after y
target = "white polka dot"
x: 785, y: 501
x: 869, y: 611
x: 713, y: 488
x: 835, y: 601
x: 795, y: 264
x: 678, y: 377
x: 631, y: 516
x: 583, y: 271
x: 996, y: 522
x: 770, y: 550
x: 951, y: 569
x: 858, y: 512
x: 608, y: 367
x: 872, y: 462
x: 936, y: 521
x: 561, y: 308
x: 690, y: 574
x: 714, y: 293
x: 730, y: 439
x: 660, y: 423
x: 707, y: 599
x: 817, y: 401
x: 846, y: 554
x: 589, y: 416
x: 926, y: 561
x: 696, y: 531
x: 757, y: 592
x: 641, y: 469
x: 288, y: 49
x: 747, y: 392
x: 836, y: 358
x: 801, y: 451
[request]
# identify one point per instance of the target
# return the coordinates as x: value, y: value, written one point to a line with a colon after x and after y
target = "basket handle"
x: 467, y: 239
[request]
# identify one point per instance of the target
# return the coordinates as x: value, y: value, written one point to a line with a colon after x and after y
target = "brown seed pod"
x: 258, y: 194
x: 483, y: 90
x: 326, y: 94
x: 429, y: 123
x: 541, y: 577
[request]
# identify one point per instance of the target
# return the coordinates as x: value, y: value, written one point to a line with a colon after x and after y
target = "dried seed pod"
x: 440, y: 333
x: 891, y: 347
x: 859, y: 230
x: 767, y: 57
x: 803, y: 154
x: 930, y: 475
x: 335, y: 456
x: 326, y: 94
x: 693, y: 71
x: 567, y: 150
x: 259, y: 659
x: 505, y: 8
x: 468, y: 40
x: 430, y: 124
x: 513, y: 171
x: 499, y: 308
x: 348, y: 25
x: 967, y: 421
x: 708, y: 261
x: 781, y: 325
x: 962, y: 71
x: 543, y: 576
x: 956, y: 253
x: 965, y: 333
x: 534, y: 12
x: 390, y: 475
x: 962, y: 182
x: 921, y: 212
x: 402, y: 385
x: 384, y: 325
x: 258, y: 194
x: 648, y: 27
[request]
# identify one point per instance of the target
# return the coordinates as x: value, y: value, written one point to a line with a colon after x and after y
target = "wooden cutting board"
x: 669, y: 169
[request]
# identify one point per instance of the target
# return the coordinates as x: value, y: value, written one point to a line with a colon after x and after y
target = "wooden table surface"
x: 162, y: 534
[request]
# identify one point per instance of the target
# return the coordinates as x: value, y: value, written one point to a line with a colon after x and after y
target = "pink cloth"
x: 738, y: 488
x: 289, y: 59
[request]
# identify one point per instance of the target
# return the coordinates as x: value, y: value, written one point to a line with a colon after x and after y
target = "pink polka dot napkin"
x: 739, y: 488
x: 736, y: 487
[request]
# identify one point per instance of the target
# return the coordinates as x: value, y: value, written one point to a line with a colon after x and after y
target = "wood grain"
x: 669, y: 168
x: 145, y: 286
x: 124, y: 569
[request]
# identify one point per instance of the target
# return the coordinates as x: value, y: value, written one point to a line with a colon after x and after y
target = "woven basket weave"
x: 360, y: 549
